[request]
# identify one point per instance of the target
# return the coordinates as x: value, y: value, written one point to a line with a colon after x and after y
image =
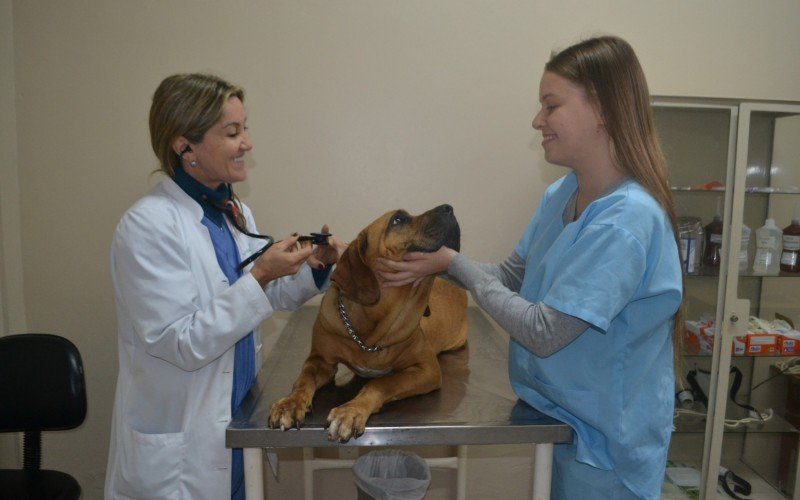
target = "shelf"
x: 740, y: 160
x: 762, y: 489
x: 690, y: 189
x: 741, y: 356
x: 696, y: 424
x: 748, y: 190
x: 713, y: 272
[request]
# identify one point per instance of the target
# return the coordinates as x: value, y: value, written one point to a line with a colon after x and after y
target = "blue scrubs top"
x: 617, y: 268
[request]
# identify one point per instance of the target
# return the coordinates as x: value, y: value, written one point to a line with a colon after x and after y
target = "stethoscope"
x: 231, y: 210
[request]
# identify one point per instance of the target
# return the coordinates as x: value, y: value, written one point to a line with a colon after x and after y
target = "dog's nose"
x: 444, y: 209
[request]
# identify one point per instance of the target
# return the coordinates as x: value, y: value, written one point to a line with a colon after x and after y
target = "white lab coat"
x: 178, y: 321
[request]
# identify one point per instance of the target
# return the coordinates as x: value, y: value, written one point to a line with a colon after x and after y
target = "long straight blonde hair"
x: 607, y: 67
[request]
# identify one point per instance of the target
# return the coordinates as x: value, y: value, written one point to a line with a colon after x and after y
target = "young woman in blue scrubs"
x: 591, y: 291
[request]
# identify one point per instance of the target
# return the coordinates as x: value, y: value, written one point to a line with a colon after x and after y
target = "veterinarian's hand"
x: 414, y: 267
x: 326, y: 255
x: 281, y: 259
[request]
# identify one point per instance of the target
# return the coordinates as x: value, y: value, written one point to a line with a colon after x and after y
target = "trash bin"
x: 391, y: 475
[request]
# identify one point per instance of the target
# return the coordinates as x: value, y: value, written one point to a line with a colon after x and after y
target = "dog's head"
x: 391, y: 236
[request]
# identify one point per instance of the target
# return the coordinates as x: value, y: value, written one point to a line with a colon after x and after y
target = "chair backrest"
x: 42, y: 385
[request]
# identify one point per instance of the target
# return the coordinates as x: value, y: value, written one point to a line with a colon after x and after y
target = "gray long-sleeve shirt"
x: 494, y: 287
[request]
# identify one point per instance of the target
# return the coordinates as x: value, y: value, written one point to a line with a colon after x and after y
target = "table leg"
x: 308, y: 473
x: 542, y: 470
x: 254, y: 473
x: 461, y: 471
x: 796, y: 494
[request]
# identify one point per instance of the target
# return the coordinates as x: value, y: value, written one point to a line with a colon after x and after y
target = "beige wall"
x: 355, y: 108
x: 12, y: 310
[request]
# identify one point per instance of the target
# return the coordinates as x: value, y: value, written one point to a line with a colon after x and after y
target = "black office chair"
x: 42, y: 388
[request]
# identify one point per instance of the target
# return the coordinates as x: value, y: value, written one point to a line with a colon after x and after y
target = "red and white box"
x: 739, y: 346
x: 762, y: 344
x: 789, y: 343
x: 699, y: 337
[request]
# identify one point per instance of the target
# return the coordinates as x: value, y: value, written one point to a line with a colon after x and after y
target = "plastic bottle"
x: 743, y: 255
x: 691, y: 237
x: 790, y: 257
x: 713, y: 241
x: 768, y: 249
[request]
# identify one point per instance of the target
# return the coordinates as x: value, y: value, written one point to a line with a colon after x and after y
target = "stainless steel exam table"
x: 474, y: 406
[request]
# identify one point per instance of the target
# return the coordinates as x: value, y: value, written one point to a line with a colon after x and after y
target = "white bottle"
x: 768, y: 249
x: 743, y: 257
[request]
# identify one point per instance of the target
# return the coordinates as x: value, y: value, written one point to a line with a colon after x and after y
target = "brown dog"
x: 391, y: 335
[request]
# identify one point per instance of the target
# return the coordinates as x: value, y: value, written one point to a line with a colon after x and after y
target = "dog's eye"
x: 399, y: 219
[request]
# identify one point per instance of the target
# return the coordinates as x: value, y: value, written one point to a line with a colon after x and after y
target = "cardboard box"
x: 691, y: 344
x: 789, y: 343
x: 762, y: 344
x: 699, y: 337
x: 739, y: 347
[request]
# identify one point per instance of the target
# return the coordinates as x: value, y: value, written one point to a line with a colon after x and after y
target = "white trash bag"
x: 391, y: 475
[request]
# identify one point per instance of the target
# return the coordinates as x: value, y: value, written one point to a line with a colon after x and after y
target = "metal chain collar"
x: 343, y: 314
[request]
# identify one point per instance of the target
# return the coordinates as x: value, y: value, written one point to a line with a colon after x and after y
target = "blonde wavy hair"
x: 187, y: 105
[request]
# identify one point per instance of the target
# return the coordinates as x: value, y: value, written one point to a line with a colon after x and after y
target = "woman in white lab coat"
x: 188, y: 315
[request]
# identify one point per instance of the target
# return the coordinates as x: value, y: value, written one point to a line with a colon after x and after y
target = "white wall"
x: 355, y: 107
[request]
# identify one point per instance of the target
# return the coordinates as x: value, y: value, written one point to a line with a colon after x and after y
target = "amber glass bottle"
x: 713, y: 243
x: 790, y: 257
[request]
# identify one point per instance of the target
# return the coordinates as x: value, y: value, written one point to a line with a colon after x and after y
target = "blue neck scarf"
x: 210, y: 199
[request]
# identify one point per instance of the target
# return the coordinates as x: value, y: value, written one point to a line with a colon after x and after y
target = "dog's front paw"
x: 346, y: 421
x: 287, y: 412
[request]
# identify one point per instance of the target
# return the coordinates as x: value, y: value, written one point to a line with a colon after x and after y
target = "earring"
x: 193, y: 163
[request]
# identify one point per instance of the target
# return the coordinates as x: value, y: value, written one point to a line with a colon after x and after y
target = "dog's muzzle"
x: 440, y: 228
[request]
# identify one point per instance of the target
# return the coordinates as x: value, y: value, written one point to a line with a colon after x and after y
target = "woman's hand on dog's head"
x: 414, y: 267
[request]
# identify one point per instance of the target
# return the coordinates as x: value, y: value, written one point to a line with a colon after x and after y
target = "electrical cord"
x: 727, y: 478
x: 729, y: 422
x: 757, y: 324
x: 755, y: 415
x: 789, y: 367
x: 700, y: 396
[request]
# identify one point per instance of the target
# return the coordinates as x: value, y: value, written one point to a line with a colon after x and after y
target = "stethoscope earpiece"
x: 185, y: 150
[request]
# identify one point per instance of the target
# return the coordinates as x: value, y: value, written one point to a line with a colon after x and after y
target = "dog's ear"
x: 353, y: 277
